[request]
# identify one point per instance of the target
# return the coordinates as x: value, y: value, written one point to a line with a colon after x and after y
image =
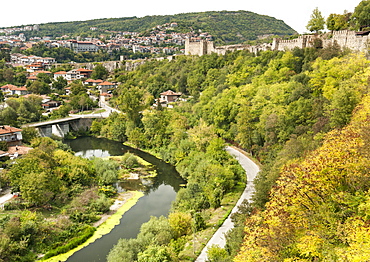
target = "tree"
x: 317, y: 22
x: 60, y: 83
x: 38, y: 87
x: 2, y: 99
x: 132, y: 102
x: 361, y: 15
x: 180, y: 223
x: 154, y: 254
x: 336, y: 22
x: 99, y: 72
x: 29, y: 133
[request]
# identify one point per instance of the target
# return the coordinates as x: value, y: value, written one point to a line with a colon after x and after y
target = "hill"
x: 225, y: 26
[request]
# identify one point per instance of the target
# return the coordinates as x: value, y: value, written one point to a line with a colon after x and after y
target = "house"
x: 14, y: 90
x: 93, y: 82
x: 51, y: 104
x: 34, y: 67
x: 70, y: 75
x: 169, y: 96
x: 105, y: 86
x: 12, y: 135
x: 81, y: 46
x: 60, y: 73
x: 85, y: 73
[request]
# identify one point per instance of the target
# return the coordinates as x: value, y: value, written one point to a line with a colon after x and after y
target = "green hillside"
x: 225, y: 26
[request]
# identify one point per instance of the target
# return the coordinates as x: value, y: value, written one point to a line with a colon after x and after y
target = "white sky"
x: 295, y: 13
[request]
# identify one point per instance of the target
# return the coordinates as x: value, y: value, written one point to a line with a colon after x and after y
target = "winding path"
x: 251, y: 170
x: 7, y: 196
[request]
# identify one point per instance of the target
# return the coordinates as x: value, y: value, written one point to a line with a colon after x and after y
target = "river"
x: 159, y: 194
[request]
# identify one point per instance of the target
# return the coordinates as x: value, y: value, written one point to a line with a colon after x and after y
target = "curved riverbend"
x: 157, y: 199
x: 251, y: 170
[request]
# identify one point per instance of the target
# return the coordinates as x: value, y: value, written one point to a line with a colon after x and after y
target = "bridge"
x: 60, y: 127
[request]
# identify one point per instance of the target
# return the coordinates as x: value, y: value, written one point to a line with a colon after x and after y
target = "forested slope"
x: 225, y: 26
x: 319, y: 208
x: 279, y: 106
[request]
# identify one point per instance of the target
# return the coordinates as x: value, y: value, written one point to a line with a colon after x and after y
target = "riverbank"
x: 122, y: 204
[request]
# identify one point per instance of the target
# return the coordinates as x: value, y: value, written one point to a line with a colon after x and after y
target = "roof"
x: 8, y: 129
x: 84, y: 70
x: 93, y: 80
x: 105, y: 83
x: 8, y: 86
x: 13, y: 87
x: 170, y: 93
x: 60, y: 73
x: 21, y: 150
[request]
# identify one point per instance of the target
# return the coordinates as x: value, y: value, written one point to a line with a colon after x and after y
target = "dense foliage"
x: 319, y: 209
x: 276, y: 105
x: 59, y: 198
x: 226, y: 26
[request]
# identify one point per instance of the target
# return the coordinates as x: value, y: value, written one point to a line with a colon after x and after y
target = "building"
x: 14, y: 90
x: 105, y: 86
x: 93, y: 82
x: 60, y: 73
x: 169, y: 96
x: 85, y: 73
x: 70, y: 76
x: 12, y: 135
x: 81, y: 46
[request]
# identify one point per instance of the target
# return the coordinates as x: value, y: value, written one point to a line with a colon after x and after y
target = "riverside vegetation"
x: 61, y: 197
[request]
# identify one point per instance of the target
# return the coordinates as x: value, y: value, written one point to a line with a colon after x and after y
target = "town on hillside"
x: 159, y: 41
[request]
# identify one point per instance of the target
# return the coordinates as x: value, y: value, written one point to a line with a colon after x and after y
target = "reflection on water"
x: 159, y: 194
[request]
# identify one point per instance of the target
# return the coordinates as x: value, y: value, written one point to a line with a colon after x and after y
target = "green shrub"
x: 74, y: 242
x: 129, y: 160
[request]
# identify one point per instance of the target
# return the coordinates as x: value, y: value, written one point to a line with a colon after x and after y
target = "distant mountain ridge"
x: 225, y: 26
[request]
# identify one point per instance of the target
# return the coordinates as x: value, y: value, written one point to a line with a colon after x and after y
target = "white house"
x: 14, y: 90
x: 82, y: 46
x: 104, y: 86
x: 11, y: 135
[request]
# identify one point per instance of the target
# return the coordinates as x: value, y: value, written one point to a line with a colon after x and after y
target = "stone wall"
x: 345, y: 39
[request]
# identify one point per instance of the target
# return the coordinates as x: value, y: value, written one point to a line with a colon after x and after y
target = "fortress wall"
x: 345, y: 39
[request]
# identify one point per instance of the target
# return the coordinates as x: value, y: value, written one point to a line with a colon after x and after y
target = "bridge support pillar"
x: 60, y: 129
x: 45, y: 130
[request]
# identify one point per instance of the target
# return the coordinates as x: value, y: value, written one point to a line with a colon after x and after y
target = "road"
x: 251, y: 170
x: 105, y: 114
x: 7, y: 196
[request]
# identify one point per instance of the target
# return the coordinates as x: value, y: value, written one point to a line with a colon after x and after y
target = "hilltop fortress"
x: 356, y: 41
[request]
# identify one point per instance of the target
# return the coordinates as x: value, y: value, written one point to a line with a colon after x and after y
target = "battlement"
x: 344, y: 38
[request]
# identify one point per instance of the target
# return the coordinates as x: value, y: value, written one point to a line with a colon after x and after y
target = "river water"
x: 159, y: 193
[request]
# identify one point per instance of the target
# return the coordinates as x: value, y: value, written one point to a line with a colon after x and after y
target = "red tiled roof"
x: 105, y: 83
x: 8, y: 129
x: 84, y: 70
x: 60, y: 73
x: 13, y: 87
x: 170, y: 93
x: 21, y: 150
x: 8, y: 86
x: 93, y: 80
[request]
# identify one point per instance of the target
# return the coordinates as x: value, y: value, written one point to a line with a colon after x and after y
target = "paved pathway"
x: 7, y: 196
x: 251, y: 170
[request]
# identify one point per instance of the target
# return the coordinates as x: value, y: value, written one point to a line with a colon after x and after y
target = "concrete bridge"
x: 60, y: 127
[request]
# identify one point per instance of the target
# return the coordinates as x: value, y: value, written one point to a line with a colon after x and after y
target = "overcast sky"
x: 295, y: 13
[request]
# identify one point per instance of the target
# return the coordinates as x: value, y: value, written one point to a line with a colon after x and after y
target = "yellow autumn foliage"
x: 319, y: 209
